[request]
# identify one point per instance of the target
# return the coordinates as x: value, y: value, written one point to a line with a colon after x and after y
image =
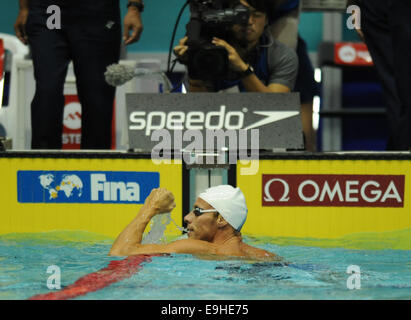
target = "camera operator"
x: 260, y: 63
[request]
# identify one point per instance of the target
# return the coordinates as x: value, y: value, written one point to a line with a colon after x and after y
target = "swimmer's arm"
x: 187, y: 246
x: 159, y: 201
x: 132, y: 235
x: 269, y: 256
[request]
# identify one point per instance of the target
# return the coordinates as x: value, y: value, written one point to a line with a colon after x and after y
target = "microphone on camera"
x: 117, y: 74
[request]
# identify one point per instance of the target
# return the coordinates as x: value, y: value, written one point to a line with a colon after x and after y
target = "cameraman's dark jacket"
x: 273, y: 62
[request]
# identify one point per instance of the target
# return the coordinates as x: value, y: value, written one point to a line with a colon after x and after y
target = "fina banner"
x: 85, y: 186
x: 175, y: 121
x: 97, y: 193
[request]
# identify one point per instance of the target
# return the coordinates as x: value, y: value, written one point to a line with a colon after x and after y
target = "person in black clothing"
x: 90, y: 36
x: 386, y: 29
x: 284, y: 19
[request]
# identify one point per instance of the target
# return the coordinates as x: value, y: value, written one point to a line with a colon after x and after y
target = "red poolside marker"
x: 114, y: 272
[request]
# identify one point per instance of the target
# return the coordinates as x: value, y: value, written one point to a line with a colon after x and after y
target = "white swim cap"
x: 229, y: 202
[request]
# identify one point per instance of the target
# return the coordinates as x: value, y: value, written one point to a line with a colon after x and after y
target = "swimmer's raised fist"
x: 160, y: 200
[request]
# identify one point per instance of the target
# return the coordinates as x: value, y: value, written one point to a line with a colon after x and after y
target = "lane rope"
x: 114, y: 272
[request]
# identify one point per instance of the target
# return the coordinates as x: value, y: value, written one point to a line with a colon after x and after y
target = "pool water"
x: 314, y: 272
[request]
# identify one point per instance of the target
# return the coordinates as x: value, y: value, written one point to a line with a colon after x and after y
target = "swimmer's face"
x: 255, y: 27
x: 202, y: 226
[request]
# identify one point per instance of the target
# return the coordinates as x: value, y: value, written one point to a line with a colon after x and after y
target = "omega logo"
x: 333, y: 190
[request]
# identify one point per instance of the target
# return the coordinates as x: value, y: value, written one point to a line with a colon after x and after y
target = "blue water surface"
x: 312, y: 273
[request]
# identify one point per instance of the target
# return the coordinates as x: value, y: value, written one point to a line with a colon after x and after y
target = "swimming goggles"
x: 198, y: 212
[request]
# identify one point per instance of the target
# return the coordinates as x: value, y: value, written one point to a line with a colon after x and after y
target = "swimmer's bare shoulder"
x: 206, y: 250
x: 192, y: 246
x: 259, y: 254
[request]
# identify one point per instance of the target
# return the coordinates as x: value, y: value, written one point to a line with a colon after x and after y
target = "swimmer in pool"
x: 213, y: 227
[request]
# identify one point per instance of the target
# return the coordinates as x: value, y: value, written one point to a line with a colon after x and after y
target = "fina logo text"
x: 113, y: 190
x: 126, y: 187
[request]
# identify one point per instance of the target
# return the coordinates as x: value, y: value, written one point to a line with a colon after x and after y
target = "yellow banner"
x: 326, y: 198
x: 336, y: 198
x: 31, y: 188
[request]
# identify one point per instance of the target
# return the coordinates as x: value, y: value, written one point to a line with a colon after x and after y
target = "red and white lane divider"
x: 114, y: 272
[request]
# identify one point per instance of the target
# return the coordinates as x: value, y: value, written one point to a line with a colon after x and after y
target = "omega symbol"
x: 284, y: 197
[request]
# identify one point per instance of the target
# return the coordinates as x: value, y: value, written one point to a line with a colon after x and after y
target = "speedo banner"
x: 205, y: 121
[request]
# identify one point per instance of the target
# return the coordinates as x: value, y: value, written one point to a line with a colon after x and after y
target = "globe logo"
x: 67, y: 185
